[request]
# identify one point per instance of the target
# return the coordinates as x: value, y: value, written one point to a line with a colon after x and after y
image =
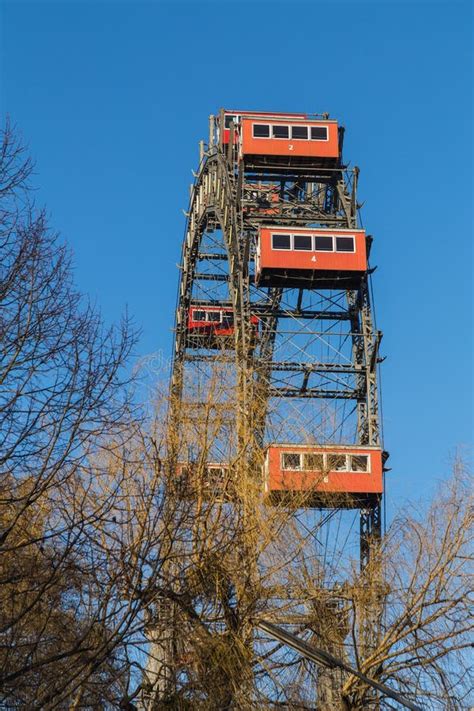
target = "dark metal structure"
x: 310, y: 373
x: 321, y: 657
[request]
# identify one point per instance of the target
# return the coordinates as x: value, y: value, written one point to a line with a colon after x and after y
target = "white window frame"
x: 321, y: 140
x: 344, y: 251
x: 194, y: 318
x: 324, y: 251
x: 292, y: 126
x: 231, y: 315
x: 313, y: 453
x: 313, y: 237
x: 301, y: 234
x: 336, y: 454
x: 281, y: 138
x: 369, y: 459
x: 290, y: 132
x: 297, y: 469
x: 214, y: 311
x: 222, y: 468
x: 262, y: 138
x: 236, y: 120
x: 281, y: 234
x: 348, y: 457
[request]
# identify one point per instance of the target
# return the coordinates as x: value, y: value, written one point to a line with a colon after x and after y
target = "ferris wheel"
x: 274, y: 320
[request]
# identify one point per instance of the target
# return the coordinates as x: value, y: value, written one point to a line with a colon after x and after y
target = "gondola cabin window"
x: 344, y: 244
x: 295, y: 256
x: 299, y: 133
x: 322, y: 243
x: 359, y: 463
x: 313, y: 462
x: 290, y: 460
x: 303, y: 242
x: 302, y: 140
x: 261, y: 130
x: 214, y: 316
x: 280, y: 241
x: 230, y: 118
x: 296, y: 133
x: 217, y: 321
x: 337, y: 462
x: 319, y: 133
x: 322, y: 471
x: 313, y: 243
x: 281, y: 131
x: 330, y: 462
x: 209, y: 316
x: 210, y: 480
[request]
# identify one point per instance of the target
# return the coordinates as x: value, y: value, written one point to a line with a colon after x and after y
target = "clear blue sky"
x: 113, y: 97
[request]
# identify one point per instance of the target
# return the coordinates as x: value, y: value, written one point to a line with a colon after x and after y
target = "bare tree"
x: 62, y: 394
x: 237, y: 559
x: 132, y: 574
x: 425, y: 640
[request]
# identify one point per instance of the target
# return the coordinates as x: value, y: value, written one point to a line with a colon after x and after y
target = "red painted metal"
x: 326, y: 149
x: 299, y: 267
x: 281, y: 475
x: 214, y: 320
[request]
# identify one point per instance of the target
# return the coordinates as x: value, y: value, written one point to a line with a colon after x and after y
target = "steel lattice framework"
x: 312, y: 372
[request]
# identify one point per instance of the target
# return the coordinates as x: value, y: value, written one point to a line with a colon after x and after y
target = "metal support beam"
x: 325, y: 659
x: 316, y: 393
x: 306, y: 314
x: 370, y: 532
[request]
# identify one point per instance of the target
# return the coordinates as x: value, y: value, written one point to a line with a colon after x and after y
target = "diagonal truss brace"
x: 319, y: 656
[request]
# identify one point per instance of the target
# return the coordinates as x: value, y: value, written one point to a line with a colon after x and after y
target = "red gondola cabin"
x: 298, y: 139
x: 213, y: 480
x: 278, y: 139
x: 349, y: 473
x: 310, y: 257
x: 213, y: 323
